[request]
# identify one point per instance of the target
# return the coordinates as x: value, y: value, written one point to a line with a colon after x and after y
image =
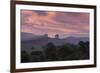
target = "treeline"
x: 57, y: 53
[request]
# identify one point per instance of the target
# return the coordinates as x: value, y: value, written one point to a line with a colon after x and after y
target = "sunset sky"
x: 47, y: 22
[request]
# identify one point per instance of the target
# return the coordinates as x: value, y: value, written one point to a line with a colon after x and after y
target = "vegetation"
x: 25, y: 57
x: 52, y: 52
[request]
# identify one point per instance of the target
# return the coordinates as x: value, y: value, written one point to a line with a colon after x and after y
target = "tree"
x: 37, y: 56
x: 25, y: 56
x: 33, y: 48
x: 65, y: 51
x: 50, y: 52
x: 84, y: 48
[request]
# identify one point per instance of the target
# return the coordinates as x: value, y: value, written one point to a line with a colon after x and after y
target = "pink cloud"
x: 64, y: 23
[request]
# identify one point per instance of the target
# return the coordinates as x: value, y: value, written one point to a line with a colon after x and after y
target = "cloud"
x: 62, y: 23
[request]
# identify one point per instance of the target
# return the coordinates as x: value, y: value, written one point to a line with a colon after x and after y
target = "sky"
x: 64, y: 24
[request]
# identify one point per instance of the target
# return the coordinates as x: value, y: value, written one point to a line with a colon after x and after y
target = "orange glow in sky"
x: 47, y: 22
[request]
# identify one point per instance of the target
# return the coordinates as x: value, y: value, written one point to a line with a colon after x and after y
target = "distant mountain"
x: 75, y: 40
x: 29, y: 36
x: 29, y: 40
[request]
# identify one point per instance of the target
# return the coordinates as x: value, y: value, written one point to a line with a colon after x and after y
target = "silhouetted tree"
x: 87, y: 50
x: 84, y: 47
x: 33, y: 48
x: 37, y: 56
x: 64, y: 52
x: 50, y: 52
x: 25, y: 56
